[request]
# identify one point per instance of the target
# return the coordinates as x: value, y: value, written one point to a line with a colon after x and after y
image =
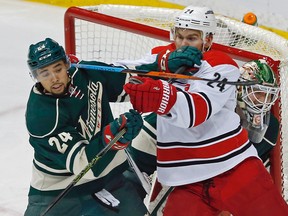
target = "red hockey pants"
x: 245, y: 190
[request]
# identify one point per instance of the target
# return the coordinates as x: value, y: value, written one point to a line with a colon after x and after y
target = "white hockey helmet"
x: 197, y: 18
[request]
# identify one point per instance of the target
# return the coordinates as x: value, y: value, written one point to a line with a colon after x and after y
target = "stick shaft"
x: 144, y: 182
x: 160, y: 74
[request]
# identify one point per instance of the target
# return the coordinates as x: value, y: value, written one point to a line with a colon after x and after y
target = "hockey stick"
x: 142, y: 178
x: 84, y: 171
x: 161, y: 74
x: 160, y: 201
x: 153, y: 209
x: 144, y: 181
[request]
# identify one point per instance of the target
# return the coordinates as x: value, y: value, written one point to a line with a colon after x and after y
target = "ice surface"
x: 21, y: 24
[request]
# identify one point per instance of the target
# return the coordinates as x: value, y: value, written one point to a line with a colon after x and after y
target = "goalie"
x: 255, y: 103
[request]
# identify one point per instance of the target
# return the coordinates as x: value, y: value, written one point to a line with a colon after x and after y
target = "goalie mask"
x: 196, y: 18
x: 43, y: 54
x: 258, y: 99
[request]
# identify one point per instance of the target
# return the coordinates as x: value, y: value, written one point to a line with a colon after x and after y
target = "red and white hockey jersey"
x: 202, y: 136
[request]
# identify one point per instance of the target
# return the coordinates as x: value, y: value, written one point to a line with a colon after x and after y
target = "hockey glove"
x: 151, y: 95
x: 73, y: 59
x: 132, y: 121
x: 183, y: 56
x: 149, y: 67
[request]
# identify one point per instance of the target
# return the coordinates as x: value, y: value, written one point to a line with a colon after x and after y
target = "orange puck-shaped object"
x: 250, y: 19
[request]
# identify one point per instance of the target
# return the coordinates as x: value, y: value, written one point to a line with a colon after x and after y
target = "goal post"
x: 115, y: 32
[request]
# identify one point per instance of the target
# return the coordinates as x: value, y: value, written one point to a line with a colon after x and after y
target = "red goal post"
x: 114, y: 32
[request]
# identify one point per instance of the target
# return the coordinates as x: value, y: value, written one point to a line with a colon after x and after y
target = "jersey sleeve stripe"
x: 202, y: 107
x: 73, y: 153
x: 190, y: 107
x: 52, y: 171
x: 209, y: 111
x: 197, y: 103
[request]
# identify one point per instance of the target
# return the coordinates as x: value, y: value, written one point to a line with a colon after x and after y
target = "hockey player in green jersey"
x: 69, y: 121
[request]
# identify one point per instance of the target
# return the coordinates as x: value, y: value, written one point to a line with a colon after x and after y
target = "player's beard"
x: 62, y: 93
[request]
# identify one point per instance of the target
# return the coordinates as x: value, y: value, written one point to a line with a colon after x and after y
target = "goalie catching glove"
x: 133, y: 123
x: 149, y: 95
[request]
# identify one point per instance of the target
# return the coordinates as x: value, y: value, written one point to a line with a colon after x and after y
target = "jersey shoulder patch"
x: 214, y: 58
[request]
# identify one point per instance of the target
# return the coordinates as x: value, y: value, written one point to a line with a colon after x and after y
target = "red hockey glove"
x: 151, y: 95
x: 73, y: 59
x: 132, y: 121
x: 184, y: 56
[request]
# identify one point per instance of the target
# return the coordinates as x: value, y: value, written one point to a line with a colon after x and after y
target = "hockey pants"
x: 245, y: 190
x: 125, y: 188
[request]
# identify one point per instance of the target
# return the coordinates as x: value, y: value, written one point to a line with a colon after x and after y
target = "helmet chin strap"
x: 203, y: 48
x: 206, y: 49
x: 204, y: 42
x: 204, y: 39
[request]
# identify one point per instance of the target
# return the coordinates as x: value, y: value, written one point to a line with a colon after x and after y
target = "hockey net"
x: 114, y: 32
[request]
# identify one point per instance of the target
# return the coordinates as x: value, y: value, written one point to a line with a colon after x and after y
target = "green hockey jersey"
x: 66, y: 132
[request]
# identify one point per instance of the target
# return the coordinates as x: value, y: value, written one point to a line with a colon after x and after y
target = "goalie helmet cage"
x: 114, y: 32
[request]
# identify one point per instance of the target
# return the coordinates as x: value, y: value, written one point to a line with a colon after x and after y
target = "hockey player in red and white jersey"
x: 202, y: 150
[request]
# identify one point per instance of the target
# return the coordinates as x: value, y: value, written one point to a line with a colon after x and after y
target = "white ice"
x: 21, y: 23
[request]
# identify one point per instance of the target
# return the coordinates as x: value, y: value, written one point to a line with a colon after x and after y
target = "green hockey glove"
x: 183, y: 56
x: 132, y: 121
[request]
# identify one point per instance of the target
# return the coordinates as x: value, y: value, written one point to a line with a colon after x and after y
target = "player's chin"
x: 58, y: 91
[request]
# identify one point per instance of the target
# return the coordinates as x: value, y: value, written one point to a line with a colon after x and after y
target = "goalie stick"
x: 160, y: 74
x: 85, y: 170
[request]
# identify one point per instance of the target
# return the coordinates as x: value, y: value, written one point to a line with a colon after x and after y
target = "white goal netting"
x: 109, y: 40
